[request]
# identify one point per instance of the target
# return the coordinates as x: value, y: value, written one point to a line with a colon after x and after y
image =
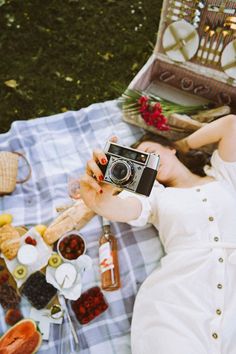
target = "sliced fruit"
x: 20, y: 272
x: 5, y: 219
x: 55, y: 260
x: 23, y: 337
x: 41, y: 229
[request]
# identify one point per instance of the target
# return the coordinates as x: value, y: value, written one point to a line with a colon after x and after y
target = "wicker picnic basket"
x: 191, y: 68
x: 9, y: 171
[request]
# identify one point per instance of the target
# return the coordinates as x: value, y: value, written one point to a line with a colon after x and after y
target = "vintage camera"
x: 130, y: 169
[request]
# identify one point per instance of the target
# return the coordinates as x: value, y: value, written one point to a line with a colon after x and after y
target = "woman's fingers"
x: 86, y: 181
x: 92, y: 170
x: 113, y: 139
x: 99, y: 156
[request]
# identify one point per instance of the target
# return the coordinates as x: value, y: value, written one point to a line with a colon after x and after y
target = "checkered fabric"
x: 56, y: 147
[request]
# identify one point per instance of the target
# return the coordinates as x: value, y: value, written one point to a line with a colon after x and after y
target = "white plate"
x: 188, y: 48
x: 44, y: 252
x: 72, y: 293
x: 228, y: 57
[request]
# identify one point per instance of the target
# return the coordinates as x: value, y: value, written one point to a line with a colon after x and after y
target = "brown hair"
x: 194, y: 160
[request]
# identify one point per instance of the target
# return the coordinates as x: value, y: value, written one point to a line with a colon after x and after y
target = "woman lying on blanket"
x: 188, y: 304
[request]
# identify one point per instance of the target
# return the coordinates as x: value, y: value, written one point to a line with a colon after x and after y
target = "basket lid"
x: 196, y: 48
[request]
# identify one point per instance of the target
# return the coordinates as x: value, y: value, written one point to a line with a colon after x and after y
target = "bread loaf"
x: 75, y: 217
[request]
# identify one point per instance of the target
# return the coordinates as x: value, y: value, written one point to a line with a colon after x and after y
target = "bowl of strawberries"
x: 71, y: 245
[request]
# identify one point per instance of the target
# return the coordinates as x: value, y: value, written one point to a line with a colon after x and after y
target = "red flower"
x: 143, y: 100
x: 143, y: 103
x: 152, y: 114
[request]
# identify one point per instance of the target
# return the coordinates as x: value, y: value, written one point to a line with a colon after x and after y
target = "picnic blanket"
x: 56, y: 147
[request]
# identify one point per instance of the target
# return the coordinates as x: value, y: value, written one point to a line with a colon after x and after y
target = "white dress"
x: 188, y: 304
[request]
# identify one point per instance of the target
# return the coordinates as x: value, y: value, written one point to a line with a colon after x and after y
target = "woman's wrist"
x: 182, y: 145
x: 186, y: 144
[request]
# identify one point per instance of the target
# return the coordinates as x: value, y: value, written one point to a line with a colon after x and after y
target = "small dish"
x: 71, y: 246
x: 43, y: 254
x: 180, y: 41
x: 71, y: 293
x: 228, y: 59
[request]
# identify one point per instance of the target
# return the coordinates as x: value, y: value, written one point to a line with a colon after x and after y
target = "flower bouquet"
x: 159, y: 115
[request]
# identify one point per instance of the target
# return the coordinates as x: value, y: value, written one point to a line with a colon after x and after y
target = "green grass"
x: 67, y: 54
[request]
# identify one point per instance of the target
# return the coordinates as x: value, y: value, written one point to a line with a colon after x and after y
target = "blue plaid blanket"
x: 56, y: 147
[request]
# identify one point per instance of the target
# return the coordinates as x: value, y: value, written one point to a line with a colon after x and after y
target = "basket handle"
x: 27, y: 163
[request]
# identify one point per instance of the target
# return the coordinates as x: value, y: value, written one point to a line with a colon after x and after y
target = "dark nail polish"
x: 101, y: 191
x: 101, y: 178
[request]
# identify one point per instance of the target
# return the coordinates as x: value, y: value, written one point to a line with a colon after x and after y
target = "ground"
x: 58, y: 55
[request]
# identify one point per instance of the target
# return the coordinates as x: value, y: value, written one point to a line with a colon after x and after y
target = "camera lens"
x: 120, y: 171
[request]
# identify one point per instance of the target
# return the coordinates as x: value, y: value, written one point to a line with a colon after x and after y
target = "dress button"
x: 218, y: 311
x: 216, y: 239
x: 204, y: 199
x: 221, y: 260
x: 210, y: 218
x: 198, y: 190
x: 215, y: 335
x: 219, y: 286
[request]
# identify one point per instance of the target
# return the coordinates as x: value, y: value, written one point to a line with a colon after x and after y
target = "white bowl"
x: 70, y: 233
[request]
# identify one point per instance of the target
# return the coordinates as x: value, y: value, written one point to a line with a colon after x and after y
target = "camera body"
x: 129, y: 168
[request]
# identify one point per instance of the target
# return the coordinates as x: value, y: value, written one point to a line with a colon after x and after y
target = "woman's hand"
x: 93, y: 192
x: 101, y: 197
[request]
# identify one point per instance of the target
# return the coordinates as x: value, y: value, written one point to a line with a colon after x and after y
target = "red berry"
x: 82, y: 310
x: 61, y: 245
x: 96, y: 300
x: 91, y: 316
x: 66, y: 240
x: 104, y: 306
x: 84, y: 320
x: 96, y: 312
x: 69, y: 256
x: 73, y: 244
x: 34, y: 242
x: 29, y: 240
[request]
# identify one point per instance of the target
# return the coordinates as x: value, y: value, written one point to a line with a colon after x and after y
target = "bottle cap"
x: 105, y: 222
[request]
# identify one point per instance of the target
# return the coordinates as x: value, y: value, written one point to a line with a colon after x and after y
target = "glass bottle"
x: 108, y: 259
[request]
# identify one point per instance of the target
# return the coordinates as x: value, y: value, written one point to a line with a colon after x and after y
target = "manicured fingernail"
x: 101, y: 191
x: 101, y: 178
x: 104, y: 161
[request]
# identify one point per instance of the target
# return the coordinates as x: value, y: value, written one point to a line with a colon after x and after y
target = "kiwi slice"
x: 55, y: 260
x: 20, y: 272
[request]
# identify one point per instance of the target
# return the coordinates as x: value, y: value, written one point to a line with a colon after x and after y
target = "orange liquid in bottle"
x: 108, y: 259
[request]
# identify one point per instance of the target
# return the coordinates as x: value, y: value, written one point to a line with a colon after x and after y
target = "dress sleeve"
x: 149, y: 205
x: 222, y: 170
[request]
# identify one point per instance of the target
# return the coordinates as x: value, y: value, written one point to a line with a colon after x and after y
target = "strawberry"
x: 73, y: 244
x: 96, y: 312
x: 82, y: 310
x: 34, y: 242
x: 28, y: 240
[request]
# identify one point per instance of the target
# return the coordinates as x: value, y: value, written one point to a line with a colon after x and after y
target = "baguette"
x: 75, y: 217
